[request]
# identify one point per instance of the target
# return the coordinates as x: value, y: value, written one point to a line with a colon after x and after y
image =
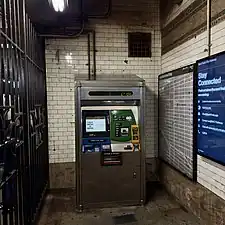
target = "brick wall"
x: 210, y: 174
x: 67, y: 58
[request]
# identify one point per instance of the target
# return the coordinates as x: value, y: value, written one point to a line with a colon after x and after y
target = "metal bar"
x: 1, y: 87
x: 143, y: 151
x: 79, y: 196
x: 45, y: 121
x: 19, y: 20
x: 14, y: 22
x: 11, y: 41
x: 19, y: 147
x: 31, y: 61
x: 5, y: 56
x: 94, y: 55
x: 27, y: 116
x: 10, y: 52
x: 10, y: 19
x: 16, y: 66
x: 21, y: 158
x: 89, y: 57
x: 209, y: 7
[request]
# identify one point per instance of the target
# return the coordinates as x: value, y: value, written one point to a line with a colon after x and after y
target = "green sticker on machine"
x: 120, y: 125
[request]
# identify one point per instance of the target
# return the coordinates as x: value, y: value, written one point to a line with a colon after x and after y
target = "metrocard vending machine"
x: 110, y: 159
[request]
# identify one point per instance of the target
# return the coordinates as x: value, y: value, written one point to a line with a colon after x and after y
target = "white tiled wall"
x: 185, y: 54
x: 67, y: 58
x: 62, y: 69
x: 210, y: 174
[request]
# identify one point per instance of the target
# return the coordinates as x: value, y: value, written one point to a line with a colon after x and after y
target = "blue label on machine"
x: 211, y: 108
x: 96, y: 144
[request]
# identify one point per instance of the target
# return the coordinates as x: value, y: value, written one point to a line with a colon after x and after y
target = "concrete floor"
x: 161, y: 209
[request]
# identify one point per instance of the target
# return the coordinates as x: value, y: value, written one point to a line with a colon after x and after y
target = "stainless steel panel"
x: 85, y: 93
x: 111, y: 184
x: 143, y: 147
x: 78, y: 131
x: 110, y: 103
x: 111, y: 83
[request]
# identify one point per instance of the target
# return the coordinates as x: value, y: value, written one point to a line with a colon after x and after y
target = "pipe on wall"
x: 82, y: 30
x: 94, y: 55
x: 89, y: 57
x: 78, y: 34
x: 209, y: 43
x: 87, y: 32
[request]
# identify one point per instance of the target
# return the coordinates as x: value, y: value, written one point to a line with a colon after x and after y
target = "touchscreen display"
x: 95, y: 124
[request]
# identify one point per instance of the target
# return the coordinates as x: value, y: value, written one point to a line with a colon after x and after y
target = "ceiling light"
x: 58, y: 5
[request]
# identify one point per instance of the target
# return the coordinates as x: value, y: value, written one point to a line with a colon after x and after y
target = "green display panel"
x: 120, y: 125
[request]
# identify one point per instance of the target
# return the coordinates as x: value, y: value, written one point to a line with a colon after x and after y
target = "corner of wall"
x: 193, y: 196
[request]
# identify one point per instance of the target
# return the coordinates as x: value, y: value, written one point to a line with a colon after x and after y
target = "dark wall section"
x: 193, y: 196
x: 191, y: 22
x: 62, y: 175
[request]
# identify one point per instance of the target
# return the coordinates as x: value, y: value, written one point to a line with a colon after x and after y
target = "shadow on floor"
x: 161, y: 209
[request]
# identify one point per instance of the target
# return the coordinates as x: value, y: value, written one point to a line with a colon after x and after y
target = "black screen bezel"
x: 97, y: 113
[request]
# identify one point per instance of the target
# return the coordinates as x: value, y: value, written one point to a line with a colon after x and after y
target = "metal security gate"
x: 23, y: 120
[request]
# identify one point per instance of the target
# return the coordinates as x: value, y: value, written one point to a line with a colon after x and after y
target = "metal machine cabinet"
x: 110, y: 151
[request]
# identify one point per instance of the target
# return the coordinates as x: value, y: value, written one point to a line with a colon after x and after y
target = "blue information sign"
x: 211, y: 108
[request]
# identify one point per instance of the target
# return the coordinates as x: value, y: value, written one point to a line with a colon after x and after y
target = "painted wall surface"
x: 211, y: 175
x: 176, y: 10
x: 67, y: 61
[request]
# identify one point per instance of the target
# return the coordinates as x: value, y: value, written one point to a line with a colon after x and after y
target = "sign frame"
x: 195, y: 105
x: 174, y: 73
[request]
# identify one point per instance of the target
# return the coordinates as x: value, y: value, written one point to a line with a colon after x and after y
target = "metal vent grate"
x: 124, y: 219
x: 139, y: 44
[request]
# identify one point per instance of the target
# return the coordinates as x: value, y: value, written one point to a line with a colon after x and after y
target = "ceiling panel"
x: 42, y: 14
